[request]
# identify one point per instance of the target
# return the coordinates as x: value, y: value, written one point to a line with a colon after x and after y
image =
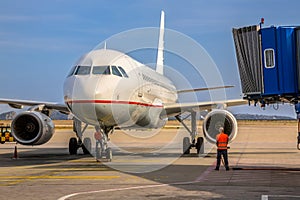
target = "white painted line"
x: 129, y: 188
x: 199, y: 179
x: 205, y: 173
x: 266, y: 197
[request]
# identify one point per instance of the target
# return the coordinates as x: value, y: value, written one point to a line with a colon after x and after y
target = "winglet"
x: 160, y: 50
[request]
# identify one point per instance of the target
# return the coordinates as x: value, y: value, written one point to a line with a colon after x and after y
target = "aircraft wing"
x: 14, y: 103
x: 203, y: 89
x: 178, y: 108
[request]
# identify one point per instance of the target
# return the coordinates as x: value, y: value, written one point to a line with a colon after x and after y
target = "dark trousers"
x: 225, y: 156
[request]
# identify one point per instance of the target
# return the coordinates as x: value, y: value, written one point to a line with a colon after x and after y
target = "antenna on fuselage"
x: 160, y: 49
x: 104, y: 45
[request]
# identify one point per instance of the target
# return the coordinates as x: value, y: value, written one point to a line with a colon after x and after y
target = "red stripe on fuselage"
x: 113, y: 102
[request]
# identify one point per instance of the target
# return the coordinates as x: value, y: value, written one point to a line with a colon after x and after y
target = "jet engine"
x: 32, y: 128
x: 216, y: 119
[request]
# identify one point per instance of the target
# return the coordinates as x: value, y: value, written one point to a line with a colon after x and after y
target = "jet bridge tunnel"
x: 269, y: 64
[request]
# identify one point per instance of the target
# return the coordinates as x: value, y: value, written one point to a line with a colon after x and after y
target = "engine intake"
x: 216, y: 119
x: 32, y: 128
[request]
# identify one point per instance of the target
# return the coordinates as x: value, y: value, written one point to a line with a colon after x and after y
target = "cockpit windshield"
x: 115, y: 71
x: 98, y: 70
x: 72, y: 71
x: 83, y: 70
x: 112, y: 70
x: 101, y: 70
x: 123, y: 71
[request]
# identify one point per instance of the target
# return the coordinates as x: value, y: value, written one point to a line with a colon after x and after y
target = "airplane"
x: 108, y: 89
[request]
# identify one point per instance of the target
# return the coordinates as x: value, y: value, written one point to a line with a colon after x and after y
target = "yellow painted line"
x: 85, y: 161
x: 11, y: 183
x: 59, y: 177
x: 74, y: 169
x: 138, y: 161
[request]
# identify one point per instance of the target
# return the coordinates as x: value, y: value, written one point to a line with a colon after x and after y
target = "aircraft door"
x: 269, y: 61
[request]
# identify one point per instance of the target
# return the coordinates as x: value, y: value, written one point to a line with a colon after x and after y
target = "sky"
x: 41, y: 40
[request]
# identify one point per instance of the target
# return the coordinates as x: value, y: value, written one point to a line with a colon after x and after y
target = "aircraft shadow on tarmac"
x: 37, y: 157
x: 186, y: 177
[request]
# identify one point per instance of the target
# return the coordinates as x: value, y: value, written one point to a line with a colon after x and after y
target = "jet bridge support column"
x: 297, y: 109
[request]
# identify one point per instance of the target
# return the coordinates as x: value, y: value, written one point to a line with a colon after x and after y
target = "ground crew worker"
x: 99, y: 142
x: 222, y: 142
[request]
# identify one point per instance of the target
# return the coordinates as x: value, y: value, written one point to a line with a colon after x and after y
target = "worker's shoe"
x: 227, y: 168
x: 217, y: 169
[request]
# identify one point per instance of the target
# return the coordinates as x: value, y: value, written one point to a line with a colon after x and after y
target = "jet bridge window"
x: 101, y: 70
x: 123, y: 71
x: 115, y: 71
x: 83, y: 70
x: 269, y: 58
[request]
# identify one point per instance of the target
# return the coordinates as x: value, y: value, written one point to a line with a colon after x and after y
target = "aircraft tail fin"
x: 160, y: 50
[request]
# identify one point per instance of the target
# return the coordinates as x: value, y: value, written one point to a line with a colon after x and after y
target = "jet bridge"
x: 269, y: 64
x: 269, y: 61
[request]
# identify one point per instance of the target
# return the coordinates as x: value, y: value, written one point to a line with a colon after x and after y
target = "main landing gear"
x: 190, y: 143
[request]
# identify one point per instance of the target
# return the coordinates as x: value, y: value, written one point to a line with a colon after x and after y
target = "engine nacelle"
x: 216, y: 119
x: 32, y: 128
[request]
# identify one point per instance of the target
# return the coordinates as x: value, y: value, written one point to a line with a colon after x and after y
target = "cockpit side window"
x: 72, y: 71
x: 83, y: 70
x: 123, y: 71
x: 115, y: 71
x: 101, y: 70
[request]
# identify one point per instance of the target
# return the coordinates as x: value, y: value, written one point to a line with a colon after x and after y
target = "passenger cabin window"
x: 115, y: 71
x: 123, y: 72
x: 83, y: 70
x: 269, y: 58
x: 101, y: 70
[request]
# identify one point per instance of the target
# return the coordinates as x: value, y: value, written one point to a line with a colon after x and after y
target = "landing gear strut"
x: 187, y: 145
x: 76, y: 143
x: 103, y: 150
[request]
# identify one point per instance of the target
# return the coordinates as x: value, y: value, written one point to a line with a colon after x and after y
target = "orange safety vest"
x: 222, y: 141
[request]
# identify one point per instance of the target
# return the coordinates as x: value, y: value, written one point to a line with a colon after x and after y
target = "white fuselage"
x: 110, y: 88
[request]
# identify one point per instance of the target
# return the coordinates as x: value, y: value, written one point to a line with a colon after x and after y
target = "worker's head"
x: 97, y: 128
x: 221, y: 129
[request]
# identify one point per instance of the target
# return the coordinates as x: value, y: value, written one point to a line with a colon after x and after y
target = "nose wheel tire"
x: 73, y: 146
x: 87, y: 146
x: 109, y: 154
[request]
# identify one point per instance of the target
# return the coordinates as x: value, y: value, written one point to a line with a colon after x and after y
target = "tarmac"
x: 264, y: 164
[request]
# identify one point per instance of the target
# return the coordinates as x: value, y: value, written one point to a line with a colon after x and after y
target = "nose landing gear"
x: 101, y: 149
